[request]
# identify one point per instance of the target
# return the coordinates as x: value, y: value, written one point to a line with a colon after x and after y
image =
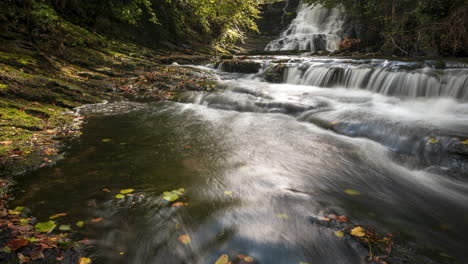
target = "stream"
x: 260, y: 160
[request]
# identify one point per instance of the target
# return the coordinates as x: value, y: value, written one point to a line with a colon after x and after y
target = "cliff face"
x: 275, y: 18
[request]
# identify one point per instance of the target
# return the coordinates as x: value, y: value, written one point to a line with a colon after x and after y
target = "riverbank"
x: 39, y: 90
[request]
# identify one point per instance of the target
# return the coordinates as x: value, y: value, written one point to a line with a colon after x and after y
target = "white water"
x: 315, y: 28
x: 401, y: 79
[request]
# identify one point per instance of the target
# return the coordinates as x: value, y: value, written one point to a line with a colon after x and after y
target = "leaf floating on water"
x: 433, y: 140
x: 16, y: 244
x: 178, y: 204
x: 282, y: 216
x: 342, y: 218
x: 358, y: 232
x: 84, y: 261
x: 45, y: 227
x: 352, y: 192
x: 125, y: 191
x: 339, y: 234
x: 105, y: 190
x: 248, y: 259
x: 170, y: 196
x: 120, y: 196
x: 65, y: 228
x: 122, y: 253
x: 97, y: 220
x: 58, y: 215
x: 184, y: 239
x: 224, y: 259
x: 465, y: 142
x: 80, y: 224
x: 228, y: 192
x: 106, y: 140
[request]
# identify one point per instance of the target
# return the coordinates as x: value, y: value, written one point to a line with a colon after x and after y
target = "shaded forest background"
x: 401, y: 27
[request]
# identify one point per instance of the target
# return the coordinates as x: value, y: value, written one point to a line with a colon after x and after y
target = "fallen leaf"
x: 170, y: 196
x: 352, y: 192
x: 97, y: 220
x: 37, y: 253
x: 84, y: 261
x: 6, y: 142
x: 49, y: 151
x: 45, y: 227
x: 184, y: 239
x: 14, y: 212
x: 16, y: 244
x: 106, y: 140
x: 358, y: 232
x: 50, y: 131
x: 80, y: 224
x: 24, y: 221
x: 122, y: 253
x: 282, y: 216
x: 224, y: 259
x: 178, y: 204
x: 465, y: 142
x: 339, y: 234
x: 326, y: 219
x: 342, y: 218
x: 23, y: 259
x: 65, y: 228
x: 105, y: 190
x: 125, y: 191
x: 228, y: 192
x: 248, y: 259
x: 19, y: 208
x: 433, y: 140
x: 120, y: 196
x: 58, y: 215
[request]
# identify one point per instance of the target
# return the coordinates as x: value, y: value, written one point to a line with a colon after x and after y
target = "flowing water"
x: 260, y: 161
x: 314, y: 29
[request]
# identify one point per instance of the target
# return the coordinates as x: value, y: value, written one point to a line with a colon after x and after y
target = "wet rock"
x: 275, y: 74
x: 241, y: 66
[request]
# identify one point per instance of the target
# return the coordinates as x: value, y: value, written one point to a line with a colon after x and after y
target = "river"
x: 259, y: 161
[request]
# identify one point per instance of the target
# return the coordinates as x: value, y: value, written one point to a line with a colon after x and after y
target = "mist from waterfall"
x: 315, y: 28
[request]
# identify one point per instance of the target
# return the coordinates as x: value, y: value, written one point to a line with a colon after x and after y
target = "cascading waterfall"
x: 315, y: 29
x: 402, y: 79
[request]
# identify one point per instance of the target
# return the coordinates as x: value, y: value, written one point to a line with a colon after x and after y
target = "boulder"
x: 241, y: 66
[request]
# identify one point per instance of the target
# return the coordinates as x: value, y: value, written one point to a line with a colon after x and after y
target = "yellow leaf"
x: 184, y: 239
x: 84, y: 261
x: 228, y: 192
x: 352, y: 192
x: 248, y: 259
x: 358, y: 232
x: 433, y: 140
x: 339, y: 234
x: 224, y: 259
x: 125, y: 191
x: 282, y: 216
x: 465, y: 142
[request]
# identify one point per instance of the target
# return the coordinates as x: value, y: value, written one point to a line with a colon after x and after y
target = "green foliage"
x: 412, y: 27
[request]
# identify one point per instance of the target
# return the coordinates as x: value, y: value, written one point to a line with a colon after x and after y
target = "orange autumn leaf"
x: 15, y: 244
x: 97, y: 220
x: 84, y: 261
x: 105, y: 190
x: 58, y: 215
x: 6, y: 142
x: 178, y: 204
x: 184, y: 239
x: 358, y: 232
x: 342, y: 218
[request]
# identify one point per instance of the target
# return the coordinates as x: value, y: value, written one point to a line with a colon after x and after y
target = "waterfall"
x: 315, y: 28
x: 401, y: 79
